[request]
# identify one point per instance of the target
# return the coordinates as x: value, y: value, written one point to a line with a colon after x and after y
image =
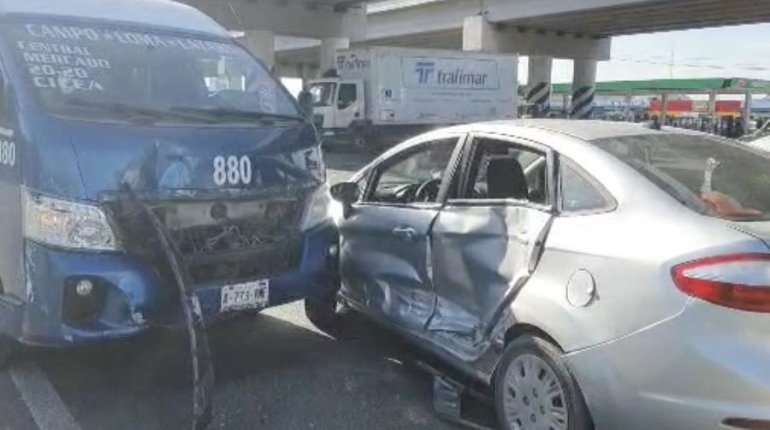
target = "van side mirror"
x: 346, y: 193
x: 305, y: 101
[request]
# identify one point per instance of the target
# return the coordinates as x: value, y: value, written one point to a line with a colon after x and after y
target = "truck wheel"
x: 534, y: 389
x: 360, y: 143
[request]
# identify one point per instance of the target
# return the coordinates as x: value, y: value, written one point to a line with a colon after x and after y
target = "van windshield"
x: 93, y: 72
x: 710, y: 175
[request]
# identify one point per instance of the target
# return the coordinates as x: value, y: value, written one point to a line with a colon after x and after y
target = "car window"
x: 504, y: 170
x: 709, y: 175
x: 415, y: 176
x: 578, y: 193
x: 347, y: 94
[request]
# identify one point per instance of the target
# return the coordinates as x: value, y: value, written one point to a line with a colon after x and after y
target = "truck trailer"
x: 377, y: 95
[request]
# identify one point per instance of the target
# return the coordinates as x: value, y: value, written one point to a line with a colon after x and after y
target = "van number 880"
x: 232, y: 170
x: 7, y: 153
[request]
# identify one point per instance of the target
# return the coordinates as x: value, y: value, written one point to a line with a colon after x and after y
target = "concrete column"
x: 329, y: 48
x: 712, y: 107
x: 479, y: 35
x: 583, y: 89
x: 627, y: 106
x: 663, y: 109
x: 565, y: 104
x: 747, y: 112
x: 539, y: 87
x: 261, y: 43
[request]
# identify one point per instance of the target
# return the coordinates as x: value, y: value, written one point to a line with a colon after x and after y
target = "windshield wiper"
x: 151, y: 115
x: 226, y: 112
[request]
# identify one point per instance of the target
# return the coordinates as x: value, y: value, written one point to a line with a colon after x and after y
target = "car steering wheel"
x: 427, y: 191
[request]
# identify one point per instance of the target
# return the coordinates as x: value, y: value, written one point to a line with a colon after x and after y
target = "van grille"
x: 262, y: 241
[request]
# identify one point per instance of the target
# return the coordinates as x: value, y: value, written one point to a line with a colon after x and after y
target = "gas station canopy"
x: 676, y: 86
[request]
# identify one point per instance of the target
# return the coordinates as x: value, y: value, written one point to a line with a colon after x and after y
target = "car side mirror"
x: 345, y: 193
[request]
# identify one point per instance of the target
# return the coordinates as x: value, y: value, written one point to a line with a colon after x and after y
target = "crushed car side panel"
x: 481, y: 259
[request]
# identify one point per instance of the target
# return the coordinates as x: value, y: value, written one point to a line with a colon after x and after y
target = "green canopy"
x: 688, y: 86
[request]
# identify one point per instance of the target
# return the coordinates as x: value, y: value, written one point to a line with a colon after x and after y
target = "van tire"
x: 323, y: 312
x: 548, y: 362
x: 8, y: 350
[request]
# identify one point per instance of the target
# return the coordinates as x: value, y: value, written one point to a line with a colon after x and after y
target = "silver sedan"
x: 595, y: 275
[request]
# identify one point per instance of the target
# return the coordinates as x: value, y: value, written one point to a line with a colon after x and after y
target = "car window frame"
x: 371, y: 176
x: 472, y: 145
x: 611, y: 203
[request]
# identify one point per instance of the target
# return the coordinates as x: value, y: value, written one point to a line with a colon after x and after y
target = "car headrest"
x: 505, y: 179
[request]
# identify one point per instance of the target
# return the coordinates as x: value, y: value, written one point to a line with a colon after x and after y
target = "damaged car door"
x: 385, y: 248
x: 488, y: 238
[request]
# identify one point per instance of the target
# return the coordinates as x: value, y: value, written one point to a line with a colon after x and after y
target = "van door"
x: 349, y: 103
x: 488, y: 238
x: 11, y: 243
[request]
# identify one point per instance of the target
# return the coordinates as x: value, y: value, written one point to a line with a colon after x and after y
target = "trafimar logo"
x: 429, y: 74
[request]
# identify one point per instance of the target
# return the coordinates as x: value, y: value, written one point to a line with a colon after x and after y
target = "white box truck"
x: 383, y: 94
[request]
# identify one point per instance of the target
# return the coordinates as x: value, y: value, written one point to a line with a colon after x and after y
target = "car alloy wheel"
x: 534, y: 389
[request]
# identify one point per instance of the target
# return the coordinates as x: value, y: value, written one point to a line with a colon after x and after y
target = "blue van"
x: 105, y: 105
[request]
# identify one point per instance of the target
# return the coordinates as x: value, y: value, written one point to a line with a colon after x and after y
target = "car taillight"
x: 737, y: 281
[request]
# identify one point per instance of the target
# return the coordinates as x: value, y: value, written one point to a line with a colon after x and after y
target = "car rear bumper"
x: 131, y: 296
x: 692, y: 371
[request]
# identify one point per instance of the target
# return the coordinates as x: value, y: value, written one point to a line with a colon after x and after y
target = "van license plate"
x: 248, y: 295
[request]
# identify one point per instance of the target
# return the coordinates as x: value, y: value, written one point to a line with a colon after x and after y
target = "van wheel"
x: 323, y: 312
x: 8, y: 349
x: 534, y: 389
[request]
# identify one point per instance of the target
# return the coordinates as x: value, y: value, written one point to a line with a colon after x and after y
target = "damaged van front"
x: 104, y: 118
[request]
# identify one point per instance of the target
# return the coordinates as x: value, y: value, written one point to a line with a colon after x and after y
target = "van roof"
x: 161, y: 13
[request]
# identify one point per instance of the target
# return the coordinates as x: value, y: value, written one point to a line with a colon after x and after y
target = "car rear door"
x: 384, y: 243
x: 488, y: 238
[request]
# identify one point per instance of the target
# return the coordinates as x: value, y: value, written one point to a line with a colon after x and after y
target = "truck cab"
x: 105, y: 109
x: 339, y: 105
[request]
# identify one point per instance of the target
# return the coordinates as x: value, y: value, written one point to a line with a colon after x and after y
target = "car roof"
x: 588, y: 130
x: 159, y: 13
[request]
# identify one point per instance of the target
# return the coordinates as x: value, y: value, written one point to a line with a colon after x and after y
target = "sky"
x: 739, y: 51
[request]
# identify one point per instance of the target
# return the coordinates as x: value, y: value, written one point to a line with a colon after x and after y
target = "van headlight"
x: 66, y: 224
x: 317, y: 209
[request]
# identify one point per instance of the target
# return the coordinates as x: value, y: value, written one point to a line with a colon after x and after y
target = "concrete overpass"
x: 541, y: 29
x: 330, y: 24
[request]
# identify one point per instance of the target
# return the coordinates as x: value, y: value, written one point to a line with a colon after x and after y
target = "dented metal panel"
x: 384, y: 262
x: 481, y: 256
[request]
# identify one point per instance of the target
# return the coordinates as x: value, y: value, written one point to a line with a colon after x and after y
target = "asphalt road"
x: 273, y: 371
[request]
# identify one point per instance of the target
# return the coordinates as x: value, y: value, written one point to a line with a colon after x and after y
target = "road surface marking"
x: 46, y: 407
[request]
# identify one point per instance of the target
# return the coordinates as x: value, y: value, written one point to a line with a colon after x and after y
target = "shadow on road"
x: 270, y: 373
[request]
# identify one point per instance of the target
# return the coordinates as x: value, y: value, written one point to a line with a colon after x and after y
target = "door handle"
x: 405, y: 232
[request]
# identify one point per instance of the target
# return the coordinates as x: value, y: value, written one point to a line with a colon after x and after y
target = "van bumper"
x: 128, y: 297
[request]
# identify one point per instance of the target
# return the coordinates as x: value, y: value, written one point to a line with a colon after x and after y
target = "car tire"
x: 531, y: 367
